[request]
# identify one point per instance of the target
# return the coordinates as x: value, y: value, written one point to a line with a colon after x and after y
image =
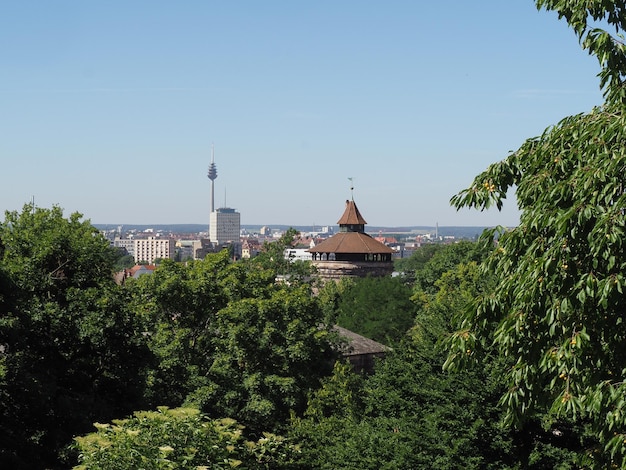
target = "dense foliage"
x: 377, y: 308
x: 272, y: 257
x: 228, y: 339
x: 556, y: 312
x: 407, y: 267
x: 412, y: 414
x: 76, y: 348
x: 231, y: 340
x: 65, y: 336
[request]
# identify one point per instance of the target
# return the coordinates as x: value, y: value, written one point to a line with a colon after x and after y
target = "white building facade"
x: 151, y: 248
x: 298, y: 254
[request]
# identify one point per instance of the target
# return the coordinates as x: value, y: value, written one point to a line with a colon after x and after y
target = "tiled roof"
x: 351, y: 216
x: 251, y: 244
x: 302, y: 242
x: 350, y: 242
x: 386, y: 239
x: 141, y: 267
x: 358, y: 344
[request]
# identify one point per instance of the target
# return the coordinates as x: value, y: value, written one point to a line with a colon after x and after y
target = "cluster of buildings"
x: 224, y: 230
x: 350, y: 252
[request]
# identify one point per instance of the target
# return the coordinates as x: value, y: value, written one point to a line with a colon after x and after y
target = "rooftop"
x: 351, y: 216
x: 351, y: 242
x: 358, y: 344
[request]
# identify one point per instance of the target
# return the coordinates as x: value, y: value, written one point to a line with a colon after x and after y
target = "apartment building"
x: 126, y: 243
x: 151, y: 248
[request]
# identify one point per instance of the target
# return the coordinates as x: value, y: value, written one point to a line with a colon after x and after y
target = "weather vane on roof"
x: 351, y: 188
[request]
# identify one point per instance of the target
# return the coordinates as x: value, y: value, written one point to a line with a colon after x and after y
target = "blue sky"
x: 110, y: 108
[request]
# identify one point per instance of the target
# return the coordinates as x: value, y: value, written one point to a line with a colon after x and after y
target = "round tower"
x: 352, y: 252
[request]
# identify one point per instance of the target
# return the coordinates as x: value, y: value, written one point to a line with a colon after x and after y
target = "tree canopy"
x: 231, y: 340
x: 76, y: 348
x: 555, y: 314
x: 375, y: 307
x: 412, y: 414
x: 65, y: 336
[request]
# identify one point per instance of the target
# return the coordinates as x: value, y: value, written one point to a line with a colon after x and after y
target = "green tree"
x: 407, y: 266
x: 65, y: 336
x: 556, y: 313
x: 178, y: 438
x: 375, y: 307
x: 180, y: 303
x: 269, y: 353
x: 339, y: 394
x: 273, y: 257
x: 124, y: 262
x: 412, y: 414
x: 231, y: 340
x: 445, y: 258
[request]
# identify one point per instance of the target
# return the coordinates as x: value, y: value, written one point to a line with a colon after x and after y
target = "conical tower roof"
x: 352, y: 238
x: 351, y: 216
x: 351, y: 252
x: 351, y: 242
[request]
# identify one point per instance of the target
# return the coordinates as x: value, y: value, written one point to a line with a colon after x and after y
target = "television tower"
x: 212, y: 174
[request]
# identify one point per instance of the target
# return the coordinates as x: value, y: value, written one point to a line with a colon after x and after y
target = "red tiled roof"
x: 387, y: 239
x: 351, y: 216
x: 137, y: 267
x: 350, y: 242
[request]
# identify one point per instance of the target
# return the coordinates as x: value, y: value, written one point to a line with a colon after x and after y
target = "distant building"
x: 224, y: 223
x: 250, y: 248
x: 205, y: 248
x: 360, y: 351
x: 126, y: 243
x: 140, y: 270
x: 299, y: 251
x: 136, y: 271
x: 224, y: 226
x: 298, y: 254
x: 187, y: 249
x: 146, y: 250
x: 352, y: 252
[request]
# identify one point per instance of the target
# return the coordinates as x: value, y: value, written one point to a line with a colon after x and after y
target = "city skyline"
x: 111, y: 110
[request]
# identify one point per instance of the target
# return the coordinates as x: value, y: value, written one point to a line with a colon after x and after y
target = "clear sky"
x: 110, y: 108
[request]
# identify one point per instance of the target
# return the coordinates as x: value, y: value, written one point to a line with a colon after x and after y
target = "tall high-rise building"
x: 225, y: 225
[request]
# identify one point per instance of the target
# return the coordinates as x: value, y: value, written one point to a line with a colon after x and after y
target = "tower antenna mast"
x: 351, y: 188
x: 212, y: 175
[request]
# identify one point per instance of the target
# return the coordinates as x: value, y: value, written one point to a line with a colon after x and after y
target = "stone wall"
x: 337, y: 269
